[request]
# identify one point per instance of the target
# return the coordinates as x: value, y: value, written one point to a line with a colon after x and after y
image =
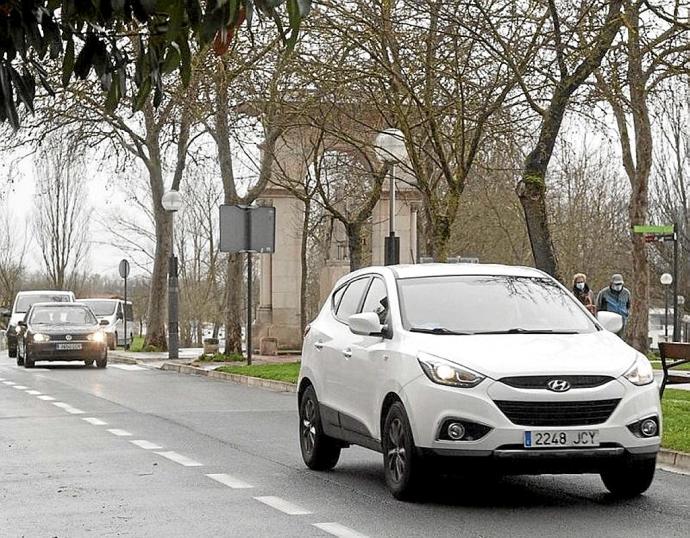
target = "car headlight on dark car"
x: 640, y: 373
x: 97, y: 337
x: 445, y: 372
x: 40, y: 338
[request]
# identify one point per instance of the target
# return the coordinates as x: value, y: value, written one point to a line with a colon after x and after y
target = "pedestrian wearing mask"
x: 615, y: 298
x: 583, y: 293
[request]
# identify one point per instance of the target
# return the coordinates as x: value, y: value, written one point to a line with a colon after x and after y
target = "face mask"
x: 617, y: 287
x: 580, y: 285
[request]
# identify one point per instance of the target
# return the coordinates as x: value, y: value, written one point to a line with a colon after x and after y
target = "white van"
x: 23, y: 302
x: 114, y: 310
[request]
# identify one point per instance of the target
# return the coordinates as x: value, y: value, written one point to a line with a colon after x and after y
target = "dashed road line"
x: 19, y: 387
x: 33, y: 392
x: 2, y: 379
x: 9, y: 383
x: 94, y: 421
x: 341, y: 531
x: 179, y: 458
x: 283, y: 506
x: 230, y: 481
x: 146, y: 445
x: 46, y: 398
x: 129, y: 367
x: 67, y: 407
x: 120, y: 433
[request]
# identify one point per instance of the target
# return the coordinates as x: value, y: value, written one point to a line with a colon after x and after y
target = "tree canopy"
x: 87, y: 36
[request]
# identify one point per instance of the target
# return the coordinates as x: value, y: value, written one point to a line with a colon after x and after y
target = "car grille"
x: 557, y: 413
x: 540, y: 381
x: 75, y: 337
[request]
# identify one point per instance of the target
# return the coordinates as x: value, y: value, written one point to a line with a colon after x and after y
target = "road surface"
x: 131, y: 451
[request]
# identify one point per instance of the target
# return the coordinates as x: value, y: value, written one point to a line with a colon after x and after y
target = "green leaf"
x: 295, y: 21
x: 114, y: 95
x: 68, y: 61
x: 24, y: 91
x: 185, y: 61
x: 8, y: 98
x: 193, y: 12
x: 172, y: 59
x: 84, y: 60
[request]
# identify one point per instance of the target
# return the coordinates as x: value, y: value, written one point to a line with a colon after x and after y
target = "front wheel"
x: 12, y: 352
x: 103, y: 361
x: 113, y: 344
x: 20, y: 359
x: 630, y: 479
x: 29, y: 362
x: 403, y: 467
x: 319, y: 451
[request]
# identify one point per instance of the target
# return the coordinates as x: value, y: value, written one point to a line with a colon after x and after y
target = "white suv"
x: 466, y: 365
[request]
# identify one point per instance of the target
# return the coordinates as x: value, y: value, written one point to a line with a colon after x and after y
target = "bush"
x: 219, y: 357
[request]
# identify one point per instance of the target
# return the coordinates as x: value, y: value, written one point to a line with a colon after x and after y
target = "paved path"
x: 132, y: 451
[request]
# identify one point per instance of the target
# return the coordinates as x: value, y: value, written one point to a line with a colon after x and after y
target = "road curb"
x: 678, y: 460
x: 112, y: 357
x: 277, y: 386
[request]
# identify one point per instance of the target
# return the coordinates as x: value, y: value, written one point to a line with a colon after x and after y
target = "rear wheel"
x: 402, y: 465
x: 12, y: 352
x: 630, y: 479
x: 319, y: 451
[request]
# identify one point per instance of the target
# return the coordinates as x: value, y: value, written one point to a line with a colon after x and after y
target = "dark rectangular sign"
x: 247, y: 229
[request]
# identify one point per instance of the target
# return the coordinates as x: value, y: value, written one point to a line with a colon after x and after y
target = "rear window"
x: 101, y: 308
x: 24, y: 302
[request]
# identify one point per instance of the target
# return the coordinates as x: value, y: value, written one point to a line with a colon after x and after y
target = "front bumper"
x: 48, y: 351
x: 430, y: 405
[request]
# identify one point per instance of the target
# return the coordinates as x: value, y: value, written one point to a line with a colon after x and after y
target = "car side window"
x: 352, y: 298
x: 377, y: 300
x: 337, y: 296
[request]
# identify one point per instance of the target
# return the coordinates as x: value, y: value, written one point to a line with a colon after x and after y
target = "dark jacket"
x: 614, y: 301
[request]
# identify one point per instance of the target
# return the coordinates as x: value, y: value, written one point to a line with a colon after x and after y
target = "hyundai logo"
x: 69, y: 337
x: 558, y: 385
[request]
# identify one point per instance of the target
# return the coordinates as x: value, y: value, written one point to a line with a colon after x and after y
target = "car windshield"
x: 480, y: 304
x: 62, y: 315
x: 24, y: 302
x: 101, y: 308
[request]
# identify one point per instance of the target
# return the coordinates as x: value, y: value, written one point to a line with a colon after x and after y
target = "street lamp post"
x: 172, y: 202
x: 666, y: 280
x: 390, y: 148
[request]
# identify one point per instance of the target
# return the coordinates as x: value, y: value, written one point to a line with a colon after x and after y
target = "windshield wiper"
x: 520, y: 330
x: 436, y: 330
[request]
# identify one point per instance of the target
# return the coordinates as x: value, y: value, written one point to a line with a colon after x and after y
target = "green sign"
x: 667, y: 229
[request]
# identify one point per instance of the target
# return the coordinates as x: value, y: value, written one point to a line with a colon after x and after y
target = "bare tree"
x: 62, y: 213
x: 13, y: 243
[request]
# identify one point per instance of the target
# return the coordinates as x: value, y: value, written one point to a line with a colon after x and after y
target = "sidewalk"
x: 189, y: 355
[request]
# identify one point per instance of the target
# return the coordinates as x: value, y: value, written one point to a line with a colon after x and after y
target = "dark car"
x: 61, y: 332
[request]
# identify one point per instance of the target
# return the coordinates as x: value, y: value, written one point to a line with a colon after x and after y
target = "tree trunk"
x: 440, y: 236
x: 355, y: 244
x: 234, y: 286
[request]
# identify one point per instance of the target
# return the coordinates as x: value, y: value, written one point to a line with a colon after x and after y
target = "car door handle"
x: 347, y: 352
x: 318, y: 345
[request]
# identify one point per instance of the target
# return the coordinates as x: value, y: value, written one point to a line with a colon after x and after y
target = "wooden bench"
x: 673, y: 354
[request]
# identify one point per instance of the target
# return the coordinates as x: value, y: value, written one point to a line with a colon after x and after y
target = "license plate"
x: 562, y: 438
x: 68, y: 347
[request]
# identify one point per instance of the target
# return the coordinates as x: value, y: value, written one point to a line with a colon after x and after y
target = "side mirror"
x: 104, y: 322
x: 365, y: 324
x: 119, y: 315
x: 610, y: 321
x: 21, y: 323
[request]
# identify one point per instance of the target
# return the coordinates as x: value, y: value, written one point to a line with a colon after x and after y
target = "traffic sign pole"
x: 676, y: 317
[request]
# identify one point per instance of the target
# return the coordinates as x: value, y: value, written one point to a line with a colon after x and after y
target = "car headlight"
x: 97, y: 337
x: 640, y: 373
x: 448, y: 373
x: 40, y: 338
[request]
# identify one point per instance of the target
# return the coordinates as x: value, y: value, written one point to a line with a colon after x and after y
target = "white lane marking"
x: 46, y: 398
x: 33, y: 392
x: 230, y: 481
x: 179, y: 458
x: 284, y: 506
x: 341, y: 531
x: 20, y: 387
x: 67, y: 407
x: 10, y: 383
x: 120, y: 433
x: 129, y: 367
x: 146, y: 445
x: 94, y: 421
x: 2, y: 379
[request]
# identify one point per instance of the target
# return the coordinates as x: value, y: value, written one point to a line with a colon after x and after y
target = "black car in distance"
x: 61, y: 332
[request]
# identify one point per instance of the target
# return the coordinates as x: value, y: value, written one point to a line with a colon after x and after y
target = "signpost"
x: 124, y: 273
x: 245, y: 228
x: 664, y: 233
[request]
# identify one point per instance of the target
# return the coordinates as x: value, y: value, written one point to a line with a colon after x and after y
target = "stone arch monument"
x: 278, y: 313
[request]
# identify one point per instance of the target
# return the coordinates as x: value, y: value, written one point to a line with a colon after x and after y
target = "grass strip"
x: 676, y: 409
x: 286, y: 371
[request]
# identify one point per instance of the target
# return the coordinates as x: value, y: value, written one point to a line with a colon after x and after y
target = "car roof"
x: 45, y: 292
x: 104, y: 299
x: 58, y: 303
x: 452, y: 269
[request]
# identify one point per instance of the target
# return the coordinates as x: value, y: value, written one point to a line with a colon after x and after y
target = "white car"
x: 471, y: 365
x: 114, y: 310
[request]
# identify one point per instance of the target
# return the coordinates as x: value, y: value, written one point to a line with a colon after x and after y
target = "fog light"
x: 456, y: 431
x: 649, y: 427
